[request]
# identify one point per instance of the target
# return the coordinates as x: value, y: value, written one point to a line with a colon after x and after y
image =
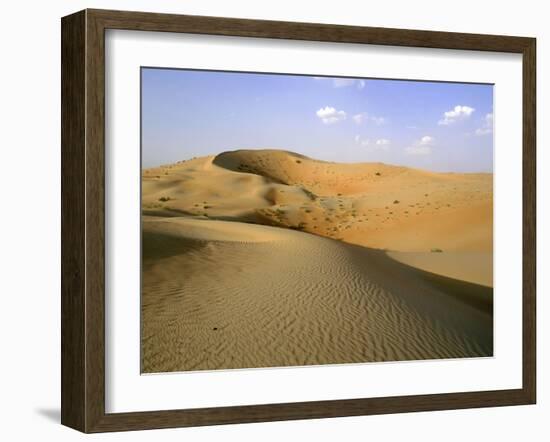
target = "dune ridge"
x: 265, y: 258
x: 375, y: 205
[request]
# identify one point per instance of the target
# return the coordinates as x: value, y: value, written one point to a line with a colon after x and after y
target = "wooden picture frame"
x: 83, y: 220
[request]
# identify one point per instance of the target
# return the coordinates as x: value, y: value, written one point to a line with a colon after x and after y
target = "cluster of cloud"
x: 330, y: 115
x: 343, y: 82
x: 423, y: 146
x: 487, y: 127
x: 379, y: 144
x: 364, y: 117
x: 458, y: 113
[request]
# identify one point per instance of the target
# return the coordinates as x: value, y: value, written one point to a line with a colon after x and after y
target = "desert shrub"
x: 164, y: 199
x: 378, y: 174
x: 396, y: 201
x: 299, y: 161
x: 436, y: 251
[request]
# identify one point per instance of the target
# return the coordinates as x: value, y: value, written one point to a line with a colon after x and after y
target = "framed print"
x: 270, y: 220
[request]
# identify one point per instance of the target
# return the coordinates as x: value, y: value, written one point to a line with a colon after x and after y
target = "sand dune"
x: 475, y: 267
x: 262, y: 258
x: 370, y: 204
x: 220, y: 294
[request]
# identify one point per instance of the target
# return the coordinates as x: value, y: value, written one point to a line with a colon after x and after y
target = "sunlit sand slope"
x: 220, y: 295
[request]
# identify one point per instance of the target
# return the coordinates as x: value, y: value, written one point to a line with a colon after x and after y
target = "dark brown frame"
x: 83, y: 215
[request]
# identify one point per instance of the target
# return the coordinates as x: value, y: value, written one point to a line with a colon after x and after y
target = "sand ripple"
x: 276, y: 297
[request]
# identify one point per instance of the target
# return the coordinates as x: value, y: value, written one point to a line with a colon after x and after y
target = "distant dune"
x: 370, y: 204
x: 257, y: 258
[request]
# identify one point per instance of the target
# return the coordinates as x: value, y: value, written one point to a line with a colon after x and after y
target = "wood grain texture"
x: 83, y: 220
x: 95, y: 222
x: 529, y: 219
x: 144, y: 21
x: 73, y: 212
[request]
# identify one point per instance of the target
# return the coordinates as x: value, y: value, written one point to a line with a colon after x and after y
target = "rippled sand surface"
x: 226, y: 294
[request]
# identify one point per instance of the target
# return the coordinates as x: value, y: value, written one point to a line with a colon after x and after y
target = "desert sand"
x: 262, y: 258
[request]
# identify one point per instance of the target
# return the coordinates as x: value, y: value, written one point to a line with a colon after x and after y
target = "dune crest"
x: 370, y: 204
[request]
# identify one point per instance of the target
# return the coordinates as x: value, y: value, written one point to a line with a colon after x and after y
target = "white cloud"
x: 329, y: 115
x: 361, y: 141
x: 363, y: 117
x: 487, y: 127
x: 379, y: 121
x: 380, y: 144
x: 423, y: 146
x: 343, y: 82
x: 458, y: 113
x: 360, y: 118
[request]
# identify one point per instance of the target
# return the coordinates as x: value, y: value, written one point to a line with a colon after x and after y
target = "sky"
x: 446, y: 127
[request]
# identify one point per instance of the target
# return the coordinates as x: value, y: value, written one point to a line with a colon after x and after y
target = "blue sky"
x: 430, y: 125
